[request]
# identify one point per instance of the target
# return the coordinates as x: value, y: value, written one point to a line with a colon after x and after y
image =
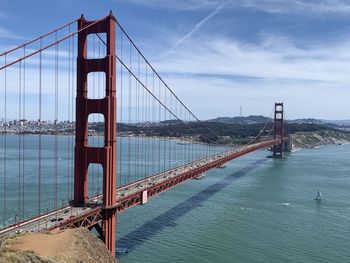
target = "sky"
x: 220, y: 55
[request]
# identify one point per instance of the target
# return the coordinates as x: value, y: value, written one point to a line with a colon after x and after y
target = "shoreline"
x: 301, y: 140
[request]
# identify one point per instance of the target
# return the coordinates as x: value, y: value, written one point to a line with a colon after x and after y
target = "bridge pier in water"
x: 100, y: 212
x: 85, y: 154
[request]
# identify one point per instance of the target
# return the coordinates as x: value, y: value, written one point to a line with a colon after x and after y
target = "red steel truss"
x: 95, y: 216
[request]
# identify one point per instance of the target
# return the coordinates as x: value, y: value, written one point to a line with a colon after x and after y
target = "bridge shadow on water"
x: 168, y: 218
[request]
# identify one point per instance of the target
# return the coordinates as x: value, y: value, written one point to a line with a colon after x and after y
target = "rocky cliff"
x: 318, y: 138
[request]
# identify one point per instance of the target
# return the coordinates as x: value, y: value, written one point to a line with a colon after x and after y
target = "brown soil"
x: 69, y: 246
x: 44, y: 245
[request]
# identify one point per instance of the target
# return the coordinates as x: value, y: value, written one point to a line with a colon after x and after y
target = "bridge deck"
x: 133, y: 194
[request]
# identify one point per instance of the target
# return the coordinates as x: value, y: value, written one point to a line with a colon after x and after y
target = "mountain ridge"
x: 255, y: 119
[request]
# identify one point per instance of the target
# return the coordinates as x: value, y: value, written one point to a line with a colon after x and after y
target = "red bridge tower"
x: 85, y: 154
x: 278, y: 150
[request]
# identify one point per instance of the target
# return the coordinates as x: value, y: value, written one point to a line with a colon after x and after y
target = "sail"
x: 319, y: 195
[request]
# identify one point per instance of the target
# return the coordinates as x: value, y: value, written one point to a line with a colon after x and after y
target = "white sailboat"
x: 319, y: 195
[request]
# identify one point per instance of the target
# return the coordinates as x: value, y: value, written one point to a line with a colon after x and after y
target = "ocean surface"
x: 256, y: 209
x: 36, y: 172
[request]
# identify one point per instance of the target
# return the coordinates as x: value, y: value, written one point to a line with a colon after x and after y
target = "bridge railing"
x: 38, y: 83
x: 155, y: 130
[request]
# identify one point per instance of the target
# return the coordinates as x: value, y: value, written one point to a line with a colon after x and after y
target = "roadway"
x: 69, y: 216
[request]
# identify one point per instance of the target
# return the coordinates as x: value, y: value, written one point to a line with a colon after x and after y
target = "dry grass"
x: 44, y: 245
x: 71, y: 245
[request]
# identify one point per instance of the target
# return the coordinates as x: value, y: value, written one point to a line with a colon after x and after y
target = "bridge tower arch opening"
x: 86, y: 154
x: 278, y: 150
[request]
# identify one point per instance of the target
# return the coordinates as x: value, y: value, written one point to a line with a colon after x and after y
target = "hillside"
x: 261, y: 119
x: 252, y: 119
x: 69, y: 246
x: 307, y: 121
x: 309, y: 132
x: 318, y: 138
x: 218, y: 128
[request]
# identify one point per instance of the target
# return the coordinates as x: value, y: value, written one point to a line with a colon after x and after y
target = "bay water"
x: 256, y: 209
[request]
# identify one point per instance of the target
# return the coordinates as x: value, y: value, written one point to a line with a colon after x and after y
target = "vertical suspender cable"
x: 138, y: 102
x: 56, y: 125
x: 138, y: 118
x: 73, y: 65
x: 143, y: 118
x: 93, y: 117
x: 159, y: 127
x: 143, y: 143
x: 182, y: 155
x: 153, y: 123
x: 164, y: 142
x: 68, y: 116
x: 177, y: 149
x: 23, y: 137
x: 40, y: 128
x: 176, y: 134
x: 147, y: 149
x: 5, y: 144
x: 189, y: 145
x: 135, y: 157
x: 19, y: 139
x: 121, y: 111
x: 172, y: 121
x: 192, y: 146
x: 98, y: 116
x: 168, y: 128
x: 129, y: 117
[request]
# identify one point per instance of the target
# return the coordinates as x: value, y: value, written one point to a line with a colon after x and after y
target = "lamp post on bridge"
x: 16, y: 219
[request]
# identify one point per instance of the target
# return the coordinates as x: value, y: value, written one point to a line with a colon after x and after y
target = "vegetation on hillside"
x: 219, y: 132
x: 318, y: 138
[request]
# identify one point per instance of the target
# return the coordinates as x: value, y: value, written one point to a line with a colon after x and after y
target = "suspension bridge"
x: 90, y: 129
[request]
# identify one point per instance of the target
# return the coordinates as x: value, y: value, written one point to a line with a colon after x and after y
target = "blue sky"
x: 220, y: 55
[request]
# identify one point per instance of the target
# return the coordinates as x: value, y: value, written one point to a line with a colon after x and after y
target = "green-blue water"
x: 255, y: 210
x: 22, y: 169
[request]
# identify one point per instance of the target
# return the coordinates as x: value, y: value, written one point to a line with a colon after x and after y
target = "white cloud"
x: 198, y: 26
x: 271, y: 6
x: 226, y: 73
x: 214, y: 76
x: 177, y: 4
x: 300, y: 6
x: 5, y: 33
x: 273, y: 58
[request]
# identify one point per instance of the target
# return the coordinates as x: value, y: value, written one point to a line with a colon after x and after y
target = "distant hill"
x: 321, y: 122
x: 307, y: 121
x: 252, y: 119
x: 256, y: 119
x: 338, y: 122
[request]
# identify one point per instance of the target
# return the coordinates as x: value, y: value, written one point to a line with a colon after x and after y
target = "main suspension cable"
x: 50, y: 45
x: 39, y: 38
